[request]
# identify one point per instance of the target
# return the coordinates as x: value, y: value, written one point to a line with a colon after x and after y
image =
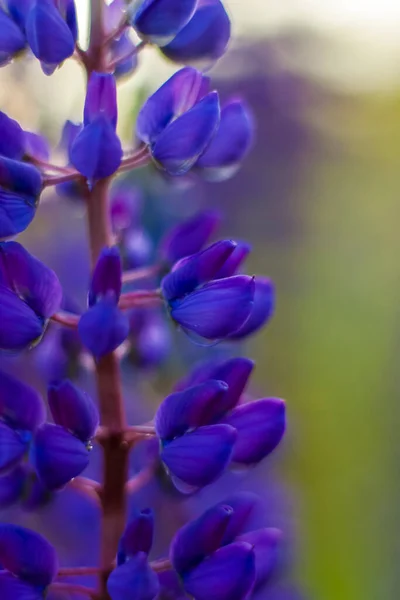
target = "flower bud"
x: 73, y: 409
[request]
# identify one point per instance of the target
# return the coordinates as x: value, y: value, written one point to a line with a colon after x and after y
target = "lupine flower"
x: 30, y: 563
x: 215, y: 559
x: 61, y: 450
x: 205, y: 38
x: 51, y: 31
x: 96, y: 151
x: 20, y: 188
x: 122, y: 54
x: 210, y: 309
x: 30, y: 294
x: 69, y: 189
x: 103, y: 327
x: 262, y: 311
x: 158, y: 21
x: 12, y: 28
x: 11, y: 138
x: 133, y: 576
x: 183, y: 126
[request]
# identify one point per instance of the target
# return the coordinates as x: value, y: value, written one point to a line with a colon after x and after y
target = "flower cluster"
x: 141, y: 288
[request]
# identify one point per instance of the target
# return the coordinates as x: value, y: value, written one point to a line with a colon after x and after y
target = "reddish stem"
x: 138, y: 274
x: 66, y: 319
x: 140, y: 298
x: 74, y: 589
x: 162, y: 564
x: 77, y: 571
x: 63, y: 178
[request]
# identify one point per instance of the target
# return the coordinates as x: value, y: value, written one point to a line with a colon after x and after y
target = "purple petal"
x: 96, y: 151
x: 73, y: 409
x: 194, y: 270
x: 229, y: 574
x: 12, y: 588
x: 199, y: 538
x: 16, y: 212
x: 48, y: 35
x: 35, y: 283
x: 20, y: 327
x: 180, y: 144
x: 158, y: 21
x: 125, y: 207
x: 134, y: 579
x: 19, y: 177
x: 11, y: 487
x: 263, y: 309
x: 68, y: 11
x: 18, y: 10
x: 265, y: 543
x: 233, y: 139
x: 12, y: 39
x: 177, y: 95
x: 188, y: 409
x: 13, y: 446
x: 36, y: 146
x: 137, y: 537
x: 243, y: 505
x: 123, y: 55
x: 217, y: 309
x: 21, y: 406
x: 69, y: 134
x: 200, y: 457
x: 27, y: 555
x: 171, y: 586
x: 235, y: 260
x: 189, y: 237
x: 205, y: 37
x: 101, y: 99
x: 107, y: 276
x: 103, y: 328
x: 58, y: 456
x: 112, y: 15
x: 11, y: 137
x: 260, y: 426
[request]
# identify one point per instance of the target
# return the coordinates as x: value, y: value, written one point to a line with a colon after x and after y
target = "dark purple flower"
x: 205, y: 37
x: 51, y: 32
x: 73, y: 409
x: 58, y: 456
x: 11, y: 487
x: 179, y: 120
x: 12, y: 34
x: 228, y: 574
x: 137, y: 537
x: 135, y: 579
x: 11, y: 138
x: 217, y: 309
x: 262, y: 311
x: 13, y: 446
x: 265, y: 543
x: 21, y: 406
x: 171, y: 586
x: 27, y: 555
x: 20, y: 188
x: 96, y: 151
x: 12, y: 588
x: 70, y: 189
x: 107, y: 276
x: 235, y: 260
x: 30, y: 294
x: 190, y: 236
x: 158, y: 21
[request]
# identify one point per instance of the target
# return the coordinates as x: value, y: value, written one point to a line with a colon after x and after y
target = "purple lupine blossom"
x: 142, y: 287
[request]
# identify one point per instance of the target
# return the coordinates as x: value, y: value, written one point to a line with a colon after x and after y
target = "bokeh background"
x: 319, y: 200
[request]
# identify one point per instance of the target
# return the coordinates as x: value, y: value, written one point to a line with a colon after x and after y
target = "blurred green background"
x: 319, y: 199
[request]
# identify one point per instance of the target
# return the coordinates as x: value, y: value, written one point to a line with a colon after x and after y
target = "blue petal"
x: 12, y: 447
x: 217, y: 309
x: 58, y: 456
x: 235, y: 260
x: 101, y: 99
x: 21, y: 406
x: 194, y: 270
x: 103, y: 328
x: 20, y: 327
x: 16, y: 212
x: 11, y: 137
x: 12, y: 588
x: 204, y: 38
x: 107, y: 276
x: 243, y: 505
x: 36, y: 146
x: 188, y: 409
x: 73, y: 409
x: 260, y: 426
x: 160, y: 20
x: 27, y: 555
x: 137, y: 537
x: 18, y: 10
x: 199, y: 538
x: 134, y: 579
x: 178, y: 146
x: 48, y: 35
x: 176, y: 96
x: 20, y: 177
x: 190, y: 236
x: 123, y: 55
x: 265, y: 543
x: 11, y: 487
x: 200, y: 457
x: 96, y: 151
x: 229, y: 574
x: 32, y: 281
x: 68, y: 135
x: 262, y: 311
x: 68, y: 11
x: 233, y: 139
x: 12, y: 39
